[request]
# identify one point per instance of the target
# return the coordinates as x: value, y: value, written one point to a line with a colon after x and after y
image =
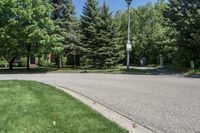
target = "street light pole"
x: 128, y: 45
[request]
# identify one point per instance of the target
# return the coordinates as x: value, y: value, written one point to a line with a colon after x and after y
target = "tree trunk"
x: 28, y: 62
x: 74, y: 62
x: 11, y: 63
x: 161, y: 61
x: 192, y: 66
x: 59, y: 62
x: 10, y: 66
x: 28, y: 58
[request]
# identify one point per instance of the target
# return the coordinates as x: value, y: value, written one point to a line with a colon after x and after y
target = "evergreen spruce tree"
x: 107, y: 51
x: 88, y: 26
x: 64, y: 17
x: 72, y: 37
x: 57, y: 16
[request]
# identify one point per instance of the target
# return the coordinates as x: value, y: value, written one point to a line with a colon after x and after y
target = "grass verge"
x: 32, y: 107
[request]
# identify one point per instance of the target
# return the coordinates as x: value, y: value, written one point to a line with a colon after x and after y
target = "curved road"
x: 165, y: 104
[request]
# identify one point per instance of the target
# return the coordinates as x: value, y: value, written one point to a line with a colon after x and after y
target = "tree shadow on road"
x: 156, y: 71
x: 25, y: 71
x: 133, y: 71
x: 160, y: 72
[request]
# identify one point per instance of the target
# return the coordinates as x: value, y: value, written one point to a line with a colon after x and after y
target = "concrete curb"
x: 121, y: 120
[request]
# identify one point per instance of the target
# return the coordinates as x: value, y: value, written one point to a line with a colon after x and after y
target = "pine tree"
x: 72, y: 37
x: 89, y: 21
x: 64, y: 17
x: 107, y: 51
x: 57, y: 16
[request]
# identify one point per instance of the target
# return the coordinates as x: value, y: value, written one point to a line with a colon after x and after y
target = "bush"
x: 15, y: 64
x: 43, y: 62
x: 197, y: 64
x: 64, y: 60
x: 2, y: 63
x: 22, y: 62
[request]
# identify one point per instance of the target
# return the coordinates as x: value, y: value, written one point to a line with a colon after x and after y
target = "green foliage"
x: 120, y: 21
x: 9, y: 46
x: 39, y: 27
x: 26, y: 28
x: 2, y: 63
x: 184, y: 17
x: 89, y: 21
x: 64, y: 60
x: 22, y: 62
x: 106, y: 49
x: 43, y: 62
x: 149, y: 36
x: 67, y: 28
x: 98, y: 36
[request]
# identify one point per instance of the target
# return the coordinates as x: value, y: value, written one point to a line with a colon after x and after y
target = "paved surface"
x: 165, y: 104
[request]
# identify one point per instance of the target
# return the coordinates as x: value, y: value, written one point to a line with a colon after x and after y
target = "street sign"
x: 128, y: 47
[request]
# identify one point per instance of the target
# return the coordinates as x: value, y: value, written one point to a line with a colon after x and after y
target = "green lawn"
x: 32, y: 107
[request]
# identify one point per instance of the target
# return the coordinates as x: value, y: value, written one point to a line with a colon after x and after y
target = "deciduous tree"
x: 184, y: 17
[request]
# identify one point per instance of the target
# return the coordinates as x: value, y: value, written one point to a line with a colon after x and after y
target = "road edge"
x: 121, y: 120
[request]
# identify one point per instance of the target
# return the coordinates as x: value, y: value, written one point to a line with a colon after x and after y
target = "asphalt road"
x: 165, y: 104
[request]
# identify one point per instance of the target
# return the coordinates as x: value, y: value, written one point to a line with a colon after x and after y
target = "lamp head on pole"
x: 128, y: 2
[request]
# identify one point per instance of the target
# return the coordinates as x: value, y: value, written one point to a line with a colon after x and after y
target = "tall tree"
x: 72, y: 38
x: 120, y: 21
x: 64, y: 17
x: 9, y: 46
x: 164, y: 44
x: 148, y: 34
x: 184, y: 16
x: 57, y: 15
x: 89, y: 21
x: 106, y: 50
x: 34, y: 26
x: 144, y: 24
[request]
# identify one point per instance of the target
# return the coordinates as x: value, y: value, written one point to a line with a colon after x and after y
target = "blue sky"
x: 114, y: 5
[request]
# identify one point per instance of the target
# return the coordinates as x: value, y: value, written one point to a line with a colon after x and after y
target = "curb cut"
x: 121, y: 120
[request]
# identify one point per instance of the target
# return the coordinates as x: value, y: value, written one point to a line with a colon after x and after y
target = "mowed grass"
x: 32, y: 107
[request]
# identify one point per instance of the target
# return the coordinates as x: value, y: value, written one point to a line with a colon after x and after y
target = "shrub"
x: 2, y: 63
x: 43, y: 62
x: 15, y: 64
x: 64, y: 60
x: 22, y: 62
